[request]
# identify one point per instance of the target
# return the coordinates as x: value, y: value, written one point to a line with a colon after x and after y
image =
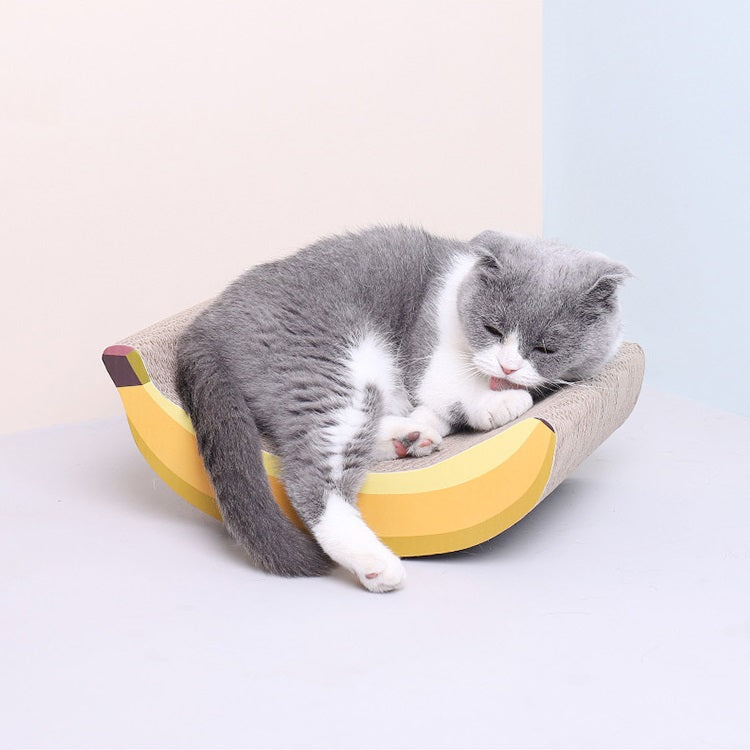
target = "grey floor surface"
x: 617, y: 614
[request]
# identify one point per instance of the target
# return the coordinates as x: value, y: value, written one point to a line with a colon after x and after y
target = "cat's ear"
x: 488, y: 264
x: 488, y: 246
x: 488, y: 260
x: 601, y: 294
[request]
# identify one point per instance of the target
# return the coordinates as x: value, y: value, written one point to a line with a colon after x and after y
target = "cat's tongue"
x: 500, y: 384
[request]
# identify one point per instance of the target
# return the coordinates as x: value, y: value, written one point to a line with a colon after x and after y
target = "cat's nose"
x: 509, y: 370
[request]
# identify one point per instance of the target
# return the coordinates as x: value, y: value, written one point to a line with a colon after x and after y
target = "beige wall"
x: 151, y: 151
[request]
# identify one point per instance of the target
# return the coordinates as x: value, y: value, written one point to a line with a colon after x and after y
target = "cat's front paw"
x: 399, y: 437
x: 498, y: 408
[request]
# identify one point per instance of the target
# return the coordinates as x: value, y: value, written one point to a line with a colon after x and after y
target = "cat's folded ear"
x: 490, y: 247
x: 488, y: 266
x: 487, y: 261
x: 483, y: 245
x: 600, y: 294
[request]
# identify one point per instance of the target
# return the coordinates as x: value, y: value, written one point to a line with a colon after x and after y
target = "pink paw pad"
x: 405, y: 446
x: 401, y: 450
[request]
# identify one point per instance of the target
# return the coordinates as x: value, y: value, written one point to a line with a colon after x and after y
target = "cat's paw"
x: 399, y: 437
x: 498, y: 408
x: 347, y: 539
x: 419, y: 442
x: 380, y: 573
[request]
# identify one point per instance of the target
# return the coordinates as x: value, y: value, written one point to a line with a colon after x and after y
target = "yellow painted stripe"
x: 195, y: 497
x: 458, y: 539
x: 468, y: 504
x: 136, y: 400
x: 206, y: 503
x: 172, y: 410
x: 465, y: 506
x: 455, y: 470
x: 169, y: 428
x: 421, y: 541
x: 136, y: 362
x: 176, y: 447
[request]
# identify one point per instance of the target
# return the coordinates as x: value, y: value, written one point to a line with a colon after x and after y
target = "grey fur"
x: 267, y: 356
x: 558, y: 297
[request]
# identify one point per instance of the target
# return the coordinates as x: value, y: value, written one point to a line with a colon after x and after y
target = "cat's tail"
x: 229, y: 443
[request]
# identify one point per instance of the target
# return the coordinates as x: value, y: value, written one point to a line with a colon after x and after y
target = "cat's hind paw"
x: 400, y: 437
x: 381, y: 573
x: 414, y: 444
x: 347, y: 539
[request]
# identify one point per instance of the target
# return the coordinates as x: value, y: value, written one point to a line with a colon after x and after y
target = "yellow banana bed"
x: 473, y: 489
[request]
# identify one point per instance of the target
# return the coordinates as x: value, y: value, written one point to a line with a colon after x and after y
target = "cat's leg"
x: 401, y: 432
x: 338, y: 527
x: 325, y: 462
x: 347, y: 539
x: 323, y: 475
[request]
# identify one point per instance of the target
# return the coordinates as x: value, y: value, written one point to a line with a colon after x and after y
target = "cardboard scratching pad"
x: 477, y: 486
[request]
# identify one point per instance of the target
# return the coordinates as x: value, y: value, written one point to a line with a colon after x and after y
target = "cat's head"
x: 536, y: 313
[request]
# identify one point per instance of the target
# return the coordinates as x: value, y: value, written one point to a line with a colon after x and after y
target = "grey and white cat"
x: 377, y: 345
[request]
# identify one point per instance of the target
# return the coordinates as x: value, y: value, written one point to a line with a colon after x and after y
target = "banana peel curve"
x: 454, y: 504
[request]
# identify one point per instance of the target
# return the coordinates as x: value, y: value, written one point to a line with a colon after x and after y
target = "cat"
x: 376, y: 345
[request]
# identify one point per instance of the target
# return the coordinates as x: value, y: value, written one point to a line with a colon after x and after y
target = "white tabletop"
x: 617, y: 614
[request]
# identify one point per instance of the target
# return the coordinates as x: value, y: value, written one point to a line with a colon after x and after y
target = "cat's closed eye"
x: 493, y: 331
x: 544, y: 349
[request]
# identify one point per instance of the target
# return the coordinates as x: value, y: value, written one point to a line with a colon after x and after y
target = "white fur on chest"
x: 450, y: 376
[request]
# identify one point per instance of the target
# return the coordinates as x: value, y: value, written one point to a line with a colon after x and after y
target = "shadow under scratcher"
x: 534, y: 529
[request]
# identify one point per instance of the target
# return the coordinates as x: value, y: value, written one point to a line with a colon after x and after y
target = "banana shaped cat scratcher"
x: 477, y: 486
